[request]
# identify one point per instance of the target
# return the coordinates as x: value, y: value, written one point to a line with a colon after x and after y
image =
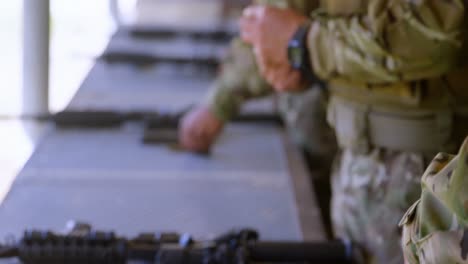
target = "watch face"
x: 297, y: 50
x: 295, y: 57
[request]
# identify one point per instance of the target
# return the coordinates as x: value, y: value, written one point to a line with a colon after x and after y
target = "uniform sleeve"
x: 304, y: 7
x: 389, y: 41
x: 238, y: 82
x: 240, y: 79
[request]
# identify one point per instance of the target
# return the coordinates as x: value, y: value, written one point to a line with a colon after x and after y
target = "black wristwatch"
x: 298, y: 53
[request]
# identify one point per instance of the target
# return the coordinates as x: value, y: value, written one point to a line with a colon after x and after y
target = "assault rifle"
x: 81, y: 245
x: 144, y: 58
x: 106, y: 119
x: 216, y: 34
x: 160, y: 127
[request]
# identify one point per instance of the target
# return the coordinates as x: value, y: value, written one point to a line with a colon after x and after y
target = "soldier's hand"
x: 269, y: 30
x: 199, y: 129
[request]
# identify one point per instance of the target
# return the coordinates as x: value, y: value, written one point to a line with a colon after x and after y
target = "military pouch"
x: 362, y: 127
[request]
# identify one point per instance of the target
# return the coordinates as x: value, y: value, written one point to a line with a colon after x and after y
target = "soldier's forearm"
x: 226, y: 103
x: 238, y: 82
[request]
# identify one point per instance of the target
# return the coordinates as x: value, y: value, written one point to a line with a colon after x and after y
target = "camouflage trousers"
x: 370, y: 193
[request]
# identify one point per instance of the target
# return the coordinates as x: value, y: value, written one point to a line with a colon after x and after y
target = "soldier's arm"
x: 391, y: 40
x: 239, y: 81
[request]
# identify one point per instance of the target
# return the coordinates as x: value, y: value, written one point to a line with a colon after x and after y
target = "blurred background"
x: 79, y: 32
x: 138, y: 59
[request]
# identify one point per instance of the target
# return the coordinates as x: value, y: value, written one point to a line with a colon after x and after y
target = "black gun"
x: 143, y: 58
x: 106, y: 119
x: 160, y: 127
x: 219, y: 34
x: 84, y: 245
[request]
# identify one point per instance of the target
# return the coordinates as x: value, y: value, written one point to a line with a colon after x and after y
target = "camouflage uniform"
x: 240, y: 80
x: 435, y: 229
x: 393, y: 69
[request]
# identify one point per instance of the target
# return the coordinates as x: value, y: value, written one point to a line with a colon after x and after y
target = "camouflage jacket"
x: 240, y: 79
x: 383, y: 44
x: 435, y: 229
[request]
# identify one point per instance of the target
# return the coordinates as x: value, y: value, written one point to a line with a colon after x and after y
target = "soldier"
x: 304, y: 113
x: 398, y: 95
x: 435, y: 229
x: 241, y: 81
x: 393, y: 69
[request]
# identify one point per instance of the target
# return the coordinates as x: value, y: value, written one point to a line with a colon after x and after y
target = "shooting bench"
x: 254, y: 176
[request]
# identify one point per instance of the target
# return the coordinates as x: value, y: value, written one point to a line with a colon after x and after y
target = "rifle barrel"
x: 314, y: 252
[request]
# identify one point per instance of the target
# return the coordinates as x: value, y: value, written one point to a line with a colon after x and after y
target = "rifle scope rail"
x: 93, y: 247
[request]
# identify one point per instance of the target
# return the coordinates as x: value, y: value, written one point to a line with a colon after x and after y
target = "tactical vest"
x: 403, y: 116
x: 424, y: 116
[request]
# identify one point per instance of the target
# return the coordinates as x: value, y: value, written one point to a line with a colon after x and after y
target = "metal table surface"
x: 253, y: 177
x: 123, y: 87
x: 107, y: 177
